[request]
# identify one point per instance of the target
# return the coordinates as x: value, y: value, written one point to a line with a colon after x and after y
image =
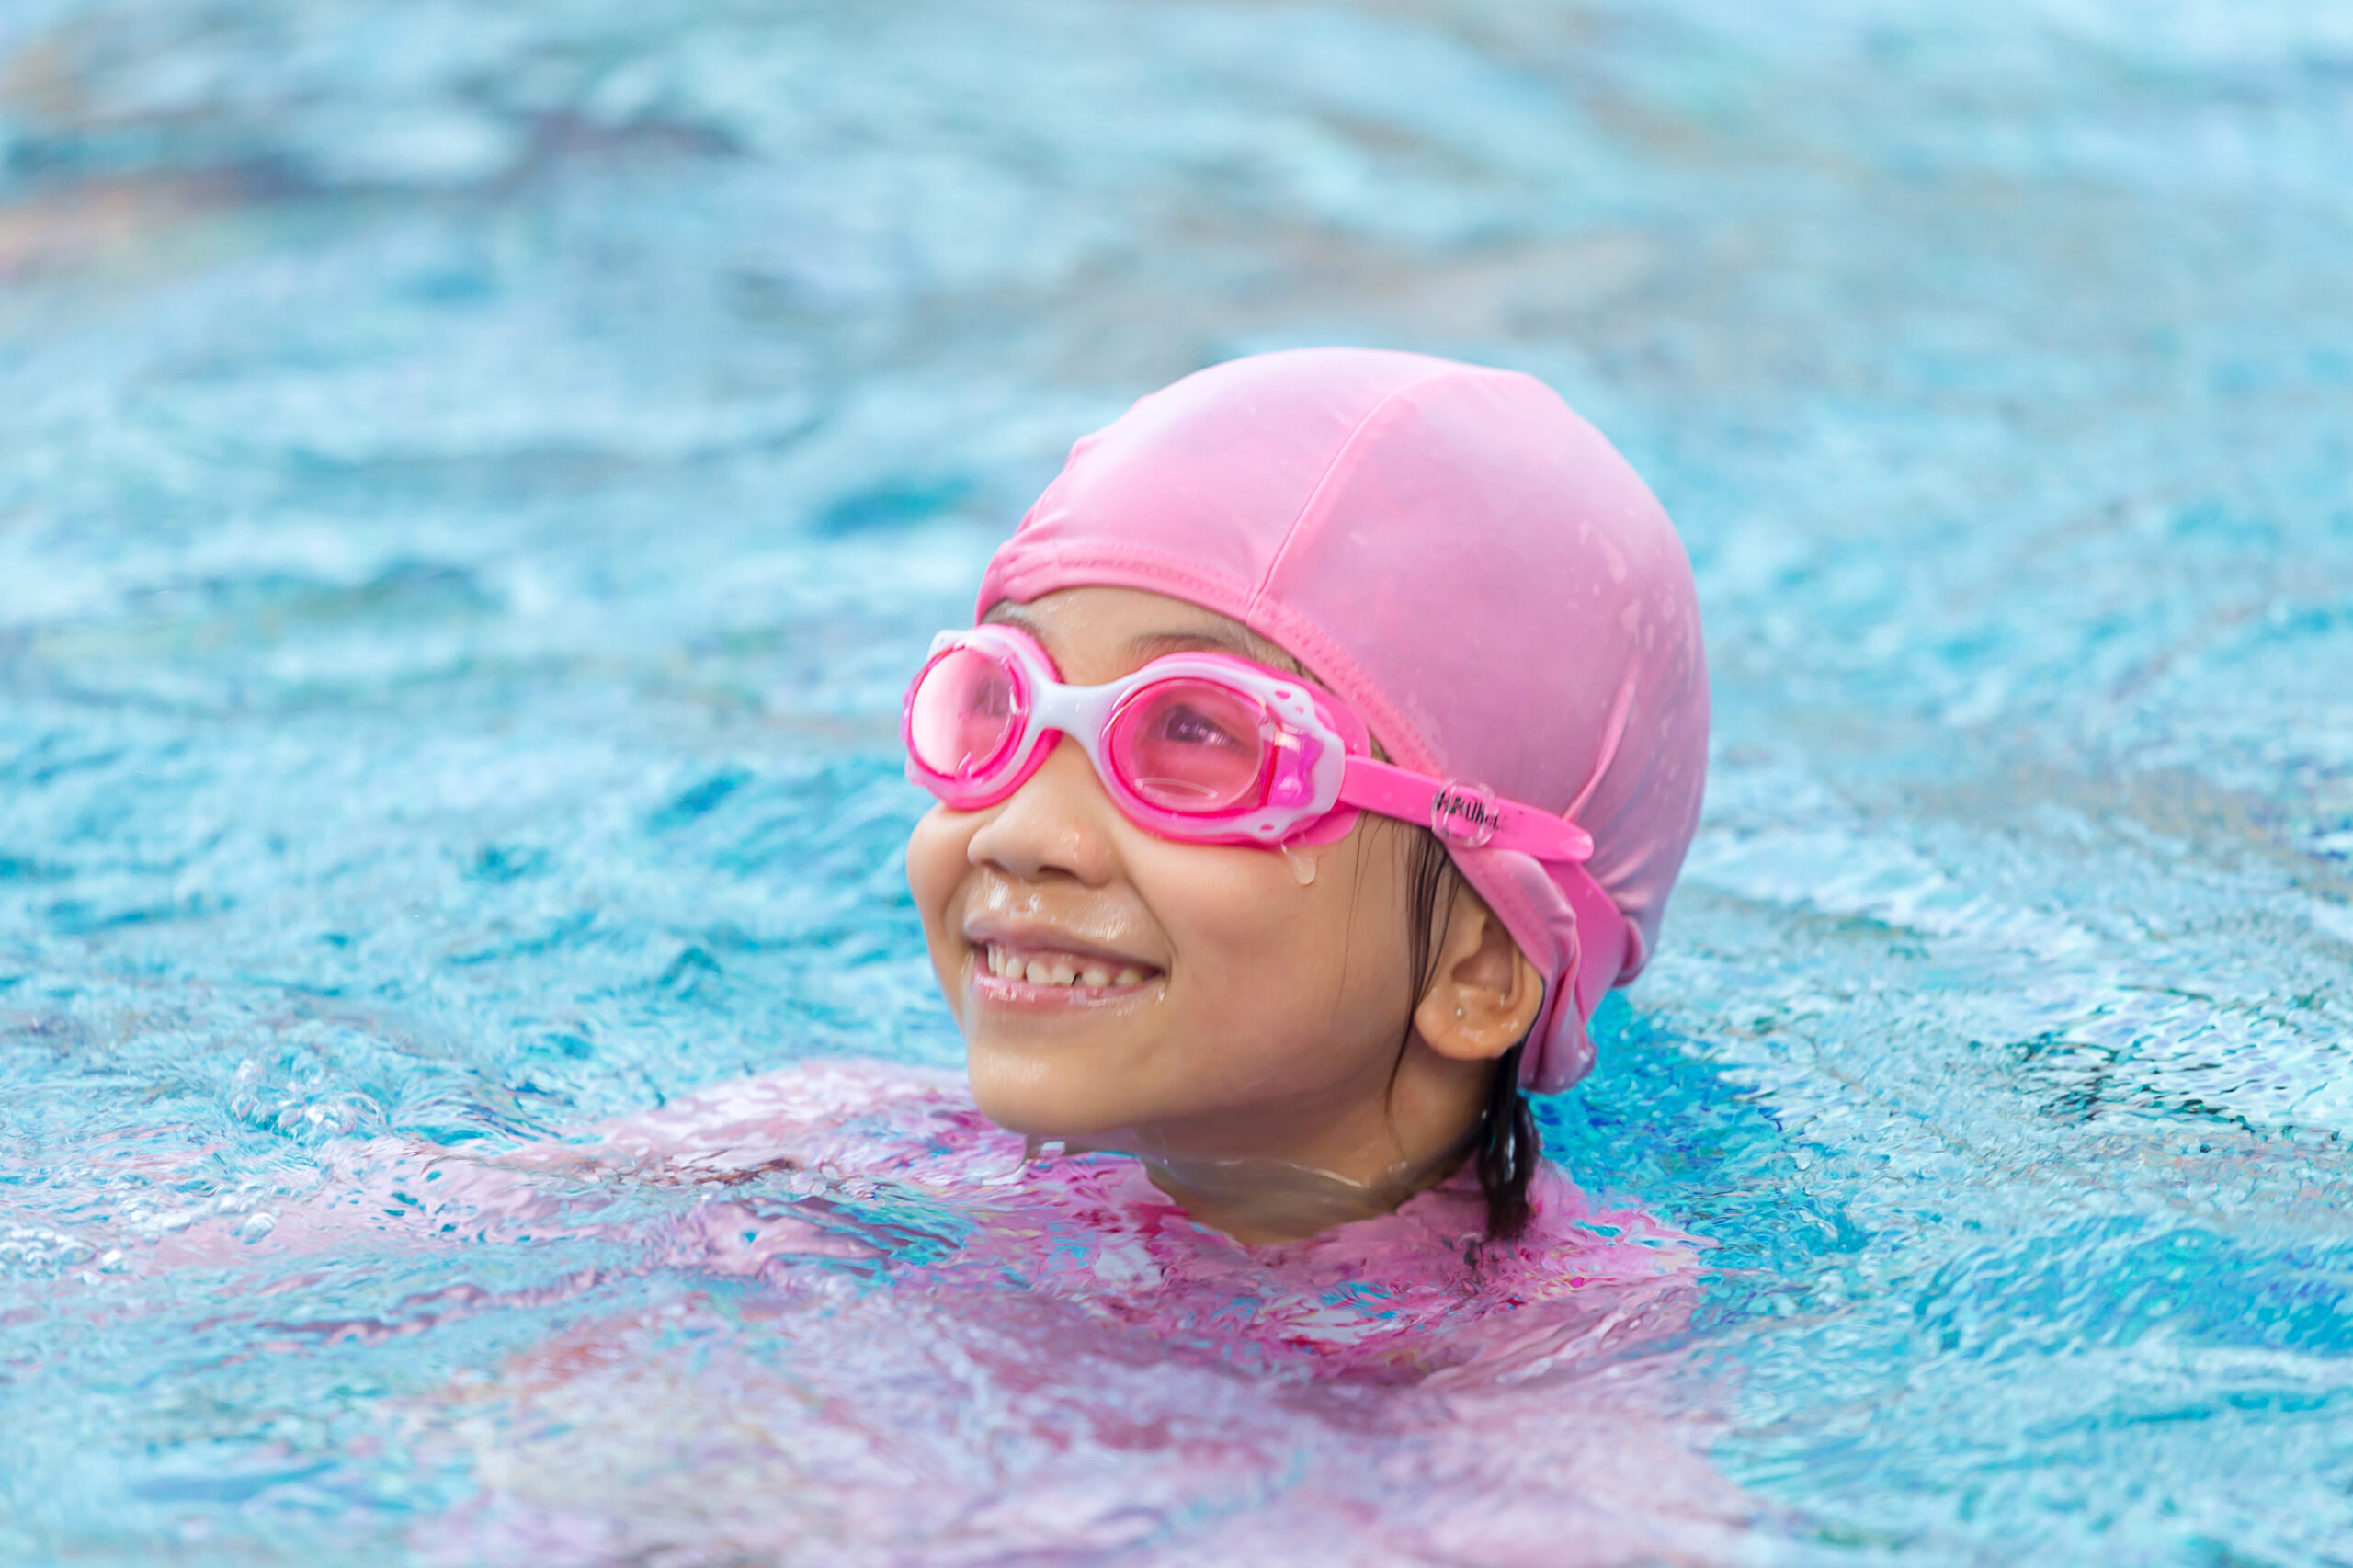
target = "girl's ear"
x: 1484, y: 999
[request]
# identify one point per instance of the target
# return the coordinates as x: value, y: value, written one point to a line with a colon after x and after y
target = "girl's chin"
x: 1048, y: 1109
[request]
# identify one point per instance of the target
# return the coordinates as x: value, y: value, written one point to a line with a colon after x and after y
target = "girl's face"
x: 1177, y: 999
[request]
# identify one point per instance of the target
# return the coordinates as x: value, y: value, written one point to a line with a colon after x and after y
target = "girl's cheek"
x: 936, y: 863
x: 1216, y: 899
x: 1278, y: 947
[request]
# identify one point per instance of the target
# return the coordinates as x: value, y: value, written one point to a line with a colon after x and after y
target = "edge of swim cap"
x: 1129, y: 566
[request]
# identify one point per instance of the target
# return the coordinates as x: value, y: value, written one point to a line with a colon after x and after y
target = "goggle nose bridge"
x: 1081, y: 713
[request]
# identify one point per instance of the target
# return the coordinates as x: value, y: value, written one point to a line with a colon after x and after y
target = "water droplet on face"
x: 1302, y: 865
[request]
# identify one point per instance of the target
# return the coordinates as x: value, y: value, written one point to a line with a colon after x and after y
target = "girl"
x: 1331, y: 736
x: 1333, y: 732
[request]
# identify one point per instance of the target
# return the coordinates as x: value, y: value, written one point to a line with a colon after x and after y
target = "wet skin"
x: 1244, y: 1019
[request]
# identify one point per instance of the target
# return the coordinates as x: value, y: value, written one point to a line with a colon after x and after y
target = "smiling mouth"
x: 1050, y: 967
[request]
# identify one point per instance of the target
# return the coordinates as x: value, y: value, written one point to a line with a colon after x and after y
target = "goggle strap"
x: 1463, y: 814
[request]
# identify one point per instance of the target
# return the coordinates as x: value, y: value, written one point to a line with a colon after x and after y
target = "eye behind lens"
x: 1190, y: 746
x: 965, y: 713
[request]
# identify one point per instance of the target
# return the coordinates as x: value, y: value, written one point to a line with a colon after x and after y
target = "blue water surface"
x: 473, y: 480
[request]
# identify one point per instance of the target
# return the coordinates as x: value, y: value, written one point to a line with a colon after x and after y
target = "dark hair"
x: 1510, y: 1144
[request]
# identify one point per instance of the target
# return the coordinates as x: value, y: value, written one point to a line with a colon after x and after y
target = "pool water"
x: 473, y: 481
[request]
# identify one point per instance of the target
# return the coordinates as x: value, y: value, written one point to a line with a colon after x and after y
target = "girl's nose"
x: 1055, y: 825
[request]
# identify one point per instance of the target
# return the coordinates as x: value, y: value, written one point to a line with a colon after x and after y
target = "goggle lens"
x: 966, y: 711
x: 1189, y: 746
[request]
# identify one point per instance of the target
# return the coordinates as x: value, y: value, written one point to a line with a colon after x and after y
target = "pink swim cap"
x: 1464, y: 561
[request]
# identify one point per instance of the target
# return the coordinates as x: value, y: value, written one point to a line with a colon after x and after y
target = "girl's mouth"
x: 1006, y: 972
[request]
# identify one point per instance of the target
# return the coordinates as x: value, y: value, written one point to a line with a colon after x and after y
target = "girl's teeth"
x: 1059, y: 971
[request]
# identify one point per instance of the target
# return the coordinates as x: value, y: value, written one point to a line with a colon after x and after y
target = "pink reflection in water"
x: 876, y: 1337
x: 1082, y: 1374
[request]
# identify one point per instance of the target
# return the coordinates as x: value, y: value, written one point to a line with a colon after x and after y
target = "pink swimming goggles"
x: 1200, y: 747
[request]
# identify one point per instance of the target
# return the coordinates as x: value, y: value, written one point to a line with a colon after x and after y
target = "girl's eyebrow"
x: 1152, y: 644
x: 1149, y: 645
x: 1006, y: 615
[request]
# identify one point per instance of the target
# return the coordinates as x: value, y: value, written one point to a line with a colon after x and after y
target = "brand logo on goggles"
x: 1465, y: 815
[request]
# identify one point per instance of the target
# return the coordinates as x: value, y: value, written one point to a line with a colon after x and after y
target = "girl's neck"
x: 1260, y: 1200
x: 1282, y: 1170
